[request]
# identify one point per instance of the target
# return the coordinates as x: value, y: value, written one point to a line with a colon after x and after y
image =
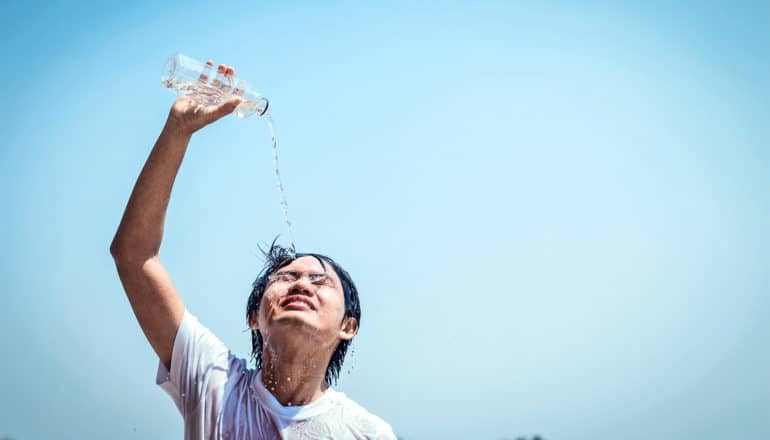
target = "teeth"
x: 297, y: 301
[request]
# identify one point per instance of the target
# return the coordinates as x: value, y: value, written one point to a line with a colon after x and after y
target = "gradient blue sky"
x: 557, y: 213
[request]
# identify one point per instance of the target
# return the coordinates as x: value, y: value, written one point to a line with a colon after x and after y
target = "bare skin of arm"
x: 136, y: 245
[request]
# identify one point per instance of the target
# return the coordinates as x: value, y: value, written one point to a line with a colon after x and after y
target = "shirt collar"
x: 294, y: 412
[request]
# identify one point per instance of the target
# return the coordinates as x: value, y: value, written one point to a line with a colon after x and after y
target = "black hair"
x: 277, y: 257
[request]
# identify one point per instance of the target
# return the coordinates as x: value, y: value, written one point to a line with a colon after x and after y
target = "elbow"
x: 117, y: 247
x: 119, y: 255
x: 126, y: 252
x: 114, y: 249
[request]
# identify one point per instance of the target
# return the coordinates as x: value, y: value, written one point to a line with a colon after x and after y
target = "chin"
x: 295, y: 319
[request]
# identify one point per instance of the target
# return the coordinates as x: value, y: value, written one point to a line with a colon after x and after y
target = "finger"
x: 229, y: 76
x: 233, y: 102
x: 204, y: 77
x: 240, y: 88
x: 220, y: 78
x: 224, y: 109
x: 226, y: 79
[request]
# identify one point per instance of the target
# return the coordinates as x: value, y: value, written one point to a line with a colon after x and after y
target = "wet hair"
x: 277, y: 257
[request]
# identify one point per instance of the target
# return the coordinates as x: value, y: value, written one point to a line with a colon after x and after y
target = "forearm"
x: 141, y: 229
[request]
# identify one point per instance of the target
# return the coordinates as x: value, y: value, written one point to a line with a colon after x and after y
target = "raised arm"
x: 152, y: 295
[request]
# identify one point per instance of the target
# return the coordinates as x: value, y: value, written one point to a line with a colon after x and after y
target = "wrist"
x: 177, y: 130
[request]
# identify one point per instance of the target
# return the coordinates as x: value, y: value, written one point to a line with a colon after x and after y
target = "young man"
x: 303, y: 313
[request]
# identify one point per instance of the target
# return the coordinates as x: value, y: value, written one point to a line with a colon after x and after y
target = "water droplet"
x: 284, y: 204
x: 288, y: 379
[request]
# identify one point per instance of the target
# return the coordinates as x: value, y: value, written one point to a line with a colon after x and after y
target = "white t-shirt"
x: 220, y: 398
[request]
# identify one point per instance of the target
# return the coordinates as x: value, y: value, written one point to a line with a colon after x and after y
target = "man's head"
x: 304, y: 295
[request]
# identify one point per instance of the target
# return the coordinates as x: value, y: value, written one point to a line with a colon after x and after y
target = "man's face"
x: 305, y: 297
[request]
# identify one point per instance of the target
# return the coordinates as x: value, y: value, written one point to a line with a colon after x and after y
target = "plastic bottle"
x: 190, y: 77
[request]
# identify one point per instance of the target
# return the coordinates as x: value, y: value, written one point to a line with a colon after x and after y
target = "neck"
x: 294, y: 374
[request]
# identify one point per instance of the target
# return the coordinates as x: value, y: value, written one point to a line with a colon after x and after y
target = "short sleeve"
x: 199, y: 364
x: 385, y: 432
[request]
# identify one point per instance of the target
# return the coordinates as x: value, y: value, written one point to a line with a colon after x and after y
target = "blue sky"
x: 557, y: 213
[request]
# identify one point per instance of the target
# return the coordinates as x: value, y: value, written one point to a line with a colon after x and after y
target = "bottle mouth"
x: 267, y: 106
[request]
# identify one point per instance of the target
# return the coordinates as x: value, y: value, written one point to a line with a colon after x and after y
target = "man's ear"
x: 253, y: 322
x: 349, y: 328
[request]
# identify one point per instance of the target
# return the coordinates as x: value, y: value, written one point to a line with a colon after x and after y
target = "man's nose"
x: 302, y: 286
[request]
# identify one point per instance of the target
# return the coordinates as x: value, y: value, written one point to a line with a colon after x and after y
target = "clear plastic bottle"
x: 190, y: 77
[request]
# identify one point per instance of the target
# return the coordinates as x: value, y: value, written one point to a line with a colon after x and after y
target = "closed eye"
x: 285, y: 276
x: 320, y: 279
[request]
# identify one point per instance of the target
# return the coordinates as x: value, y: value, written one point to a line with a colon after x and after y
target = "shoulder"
x: 361, y: 421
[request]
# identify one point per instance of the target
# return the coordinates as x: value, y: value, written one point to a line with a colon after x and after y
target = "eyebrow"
x: 288, y: 272
x: 324, y: 265
x: 296, y: 272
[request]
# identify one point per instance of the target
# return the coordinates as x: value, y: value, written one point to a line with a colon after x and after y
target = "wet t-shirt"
x: 220, y: 398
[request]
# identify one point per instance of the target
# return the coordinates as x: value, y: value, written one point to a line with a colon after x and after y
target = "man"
x: 303, y: 312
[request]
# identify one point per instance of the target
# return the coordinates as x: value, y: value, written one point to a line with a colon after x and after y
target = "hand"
x: 188, y: 115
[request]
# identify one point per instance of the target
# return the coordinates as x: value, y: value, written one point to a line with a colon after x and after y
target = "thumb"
x: 230, y: 105
x: 226, y: 108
